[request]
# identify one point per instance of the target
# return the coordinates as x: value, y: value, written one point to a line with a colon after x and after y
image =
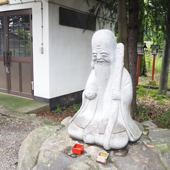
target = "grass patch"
x: 15, y: 103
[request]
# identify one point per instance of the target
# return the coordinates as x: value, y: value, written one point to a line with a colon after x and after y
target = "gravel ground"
x: 12, y: 132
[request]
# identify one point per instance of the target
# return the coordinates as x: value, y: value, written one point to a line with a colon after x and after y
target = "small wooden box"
x: 102, y: 157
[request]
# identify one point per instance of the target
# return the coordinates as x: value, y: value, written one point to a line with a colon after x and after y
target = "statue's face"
x: 101, y: 54
x: 103, y: 48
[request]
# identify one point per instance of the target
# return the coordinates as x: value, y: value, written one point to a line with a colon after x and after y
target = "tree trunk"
x: 141, y: 35
x: 166, y: 58
x: 132, y: 46
x: 165, y: 68
x: 122, y: 29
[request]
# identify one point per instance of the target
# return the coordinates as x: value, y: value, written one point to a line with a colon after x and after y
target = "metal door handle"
x: 4, y: 56
x: 8, y: 58
x: 7, y: 70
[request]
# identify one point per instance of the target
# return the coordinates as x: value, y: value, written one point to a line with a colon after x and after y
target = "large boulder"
x: 49, y: 148
x: 29, y: 149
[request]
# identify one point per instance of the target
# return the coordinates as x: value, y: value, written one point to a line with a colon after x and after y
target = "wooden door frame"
x: 18, y: 59
x: 3, y: 14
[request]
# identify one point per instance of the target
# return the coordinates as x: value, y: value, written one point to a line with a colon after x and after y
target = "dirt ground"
x: 12, y: 133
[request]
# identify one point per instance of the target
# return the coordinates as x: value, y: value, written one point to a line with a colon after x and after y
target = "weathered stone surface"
x: 139, y: 158
x: 158, y: 134
x: 34, y: 168
x: 48, y: 149
x: 66, y: 121
x: 53, y: 161
x: 83, y: 163
x: 33, y: 116
x: 150, y: 124
x: 163, y: 150
x: 30, y: 147
x: 121, y: 152
x: 78, y: 166
x: 51, y: 155
x: 139, y: 125
x: 144, y: 140
x: 167, y: 159
x: 108, y: 166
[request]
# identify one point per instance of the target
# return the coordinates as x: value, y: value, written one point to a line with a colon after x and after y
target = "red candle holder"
x: 78, y: 149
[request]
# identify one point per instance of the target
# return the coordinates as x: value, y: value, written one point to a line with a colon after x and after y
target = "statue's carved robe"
x: 99, y: 110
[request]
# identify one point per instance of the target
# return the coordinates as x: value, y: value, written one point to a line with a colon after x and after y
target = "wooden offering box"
x: 78, y: 149
x: 102, y: 157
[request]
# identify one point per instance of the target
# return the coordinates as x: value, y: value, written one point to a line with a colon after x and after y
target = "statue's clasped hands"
x: 91, y: 92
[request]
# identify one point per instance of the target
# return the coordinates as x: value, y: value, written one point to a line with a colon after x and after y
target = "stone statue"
x: 104, y: 117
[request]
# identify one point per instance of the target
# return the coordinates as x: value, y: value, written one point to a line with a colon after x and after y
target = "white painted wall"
x: 41, y: 61
x: 70, y: 54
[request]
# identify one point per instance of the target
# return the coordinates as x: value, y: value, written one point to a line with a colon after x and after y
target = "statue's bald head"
x: 104, y: 41
x: 104, y: 36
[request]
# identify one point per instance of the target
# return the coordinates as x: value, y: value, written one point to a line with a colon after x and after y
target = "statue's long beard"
x: 102, y: 73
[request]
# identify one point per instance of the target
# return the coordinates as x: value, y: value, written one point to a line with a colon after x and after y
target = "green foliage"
x: 105, y: 8
x: 63, y: 110
x: 155, y: 20
x: 26, y: 43
x: 59, y: 109
x: 143, y: 92
x: 149, y: 63
x: 22, y: 34
x: 158, y: 65
x: 152, y: 83
x: 164, y: 119
x: 148, y: 60
x: 160, y: 97
x: 143, y: 116
x: 152, y: 93
x: 152, y: 106
x: 140, y: 112
x: 76, y: 107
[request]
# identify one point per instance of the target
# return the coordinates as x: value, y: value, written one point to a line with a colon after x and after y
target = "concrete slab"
x: 27, y: 117
x: 22, y: 105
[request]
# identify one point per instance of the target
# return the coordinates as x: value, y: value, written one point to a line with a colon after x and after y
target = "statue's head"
x: 103, y: 47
